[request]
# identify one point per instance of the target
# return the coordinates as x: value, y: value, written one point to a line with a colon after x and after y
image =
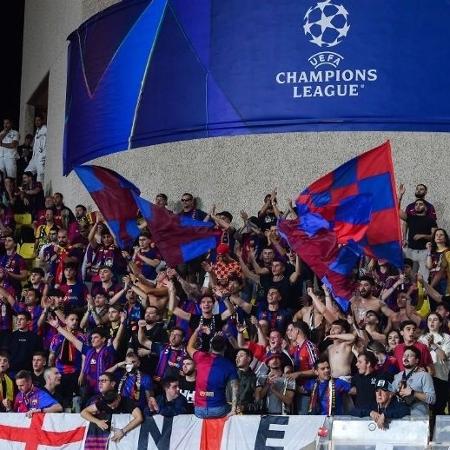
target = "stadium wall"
x: 233, y: 172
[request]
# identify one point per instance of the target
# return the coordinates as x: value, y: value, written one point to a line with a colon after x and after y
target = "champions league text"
x: 327, y: 83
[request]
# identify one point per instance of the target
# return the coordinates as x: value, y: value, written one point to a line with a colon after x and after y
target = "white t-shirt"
x: 40, y: 141
x: 10, y: 137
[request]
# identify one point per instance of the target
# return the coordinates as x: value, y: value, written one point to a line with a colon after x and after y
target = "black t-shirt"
x: 284, y: 287
x: 365, y: 390
x: 125, y: 406
x: 187, y: 388
x: 215, y: 324
x: 21, y: 346
x: 419, y: 225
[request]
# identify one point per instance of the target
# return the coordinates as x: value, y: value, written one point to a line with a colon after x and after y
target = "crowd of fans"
x: 246, y: 329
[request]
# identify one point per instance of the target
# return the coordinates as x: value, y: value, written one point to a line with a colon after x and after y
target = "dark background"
x: 11, y: 33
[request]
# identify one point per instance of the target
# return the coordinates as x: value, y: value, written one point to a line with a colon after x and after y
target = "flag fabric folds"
x: 179, y: 239
x: 347, y: 213
x: 113, y: 196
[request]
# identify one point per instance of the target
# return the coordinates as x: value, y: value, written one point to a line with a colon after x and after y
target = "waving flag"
x: 179, y: 239
x: 347, y: 213
x: 113, y: 196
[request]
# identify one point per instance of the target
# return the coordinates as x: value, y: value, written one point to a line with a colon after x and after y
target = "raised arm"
x: 297, y: 272
x: 69, y: 336
x: 172, y: 304
x: 120, y: 331
x: 192, y: 342
x: 142, y: 338
x: 229, y: 311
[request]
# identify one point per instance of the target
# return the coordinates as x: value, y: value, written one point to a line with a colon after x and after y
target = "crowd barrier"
x: 186, y: 432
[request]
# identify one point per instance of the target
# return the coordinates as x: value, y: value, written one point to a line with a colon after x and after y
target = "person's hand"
x: 102, y: 424
x: 171, y: 273
x: 126, y: 280
x: 401, y: 279
x: 404, y: 243
x: 212, y: 211
x: 238, y: 249
x: 273, y: 196
x: 310, y: 291
x: 123, y: 316
x: 206, y: 266
x: 374, y: 415
x: 53, y: 321
x: 126, y: 255
x: 241, y: 327
x: 170, y: 285
x: 80, y: 379
x: 405, y: 391
x: 233, y: 412
x: 428, y: 246
x: 142, y: 323
x: 293, y: 375
x: 401, y: 190
x: 32, y: 411
x: 430, y: 339
x: 121, y: 364
x: 118, y: 435
x: 254, y: 321
x: 153, y: 405
x: 244, y: 215
x: 7, y: 404
x: 381, y: 422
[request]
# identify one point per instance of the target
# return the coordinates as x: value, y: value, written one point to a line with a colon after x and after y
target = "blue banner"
x: 144, y: 72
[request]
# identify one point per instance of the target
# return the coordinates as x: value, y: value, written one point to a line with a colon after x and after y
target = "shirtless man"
x: 405, y: 312
x: 365, y: 301
x: 340, y: 353
x: 372, y: 321
x: 310, y: 314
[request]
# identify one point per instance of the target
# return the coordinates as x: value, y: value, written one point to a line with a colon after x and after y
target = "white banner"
x: 185, y: 432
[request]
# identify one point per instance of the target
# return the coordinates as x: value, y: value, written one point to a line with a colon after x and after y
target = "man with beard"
x: 210, y: 323
x: 154, y: 331
x: 413, y: 386
x: 247, y: 383
x: 365, y: 301
x: 170, y: 355
x: 420, y: 228
x: 364, y: 382
x: 135, y: 384
x: 420, y: 193
x: 187, y: 382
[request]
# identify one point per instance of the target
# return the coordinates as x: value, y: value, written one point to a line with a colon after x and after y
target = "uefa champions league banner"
x: 185, y: 432
x: 144, y: 72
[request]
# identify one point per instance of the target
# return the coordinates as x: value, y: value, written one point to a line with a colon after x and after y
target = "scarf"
x: 315, y: 406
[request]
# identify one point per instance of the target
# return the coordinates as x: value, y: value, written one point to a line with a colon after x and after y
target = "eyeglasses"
x: 186, y: 199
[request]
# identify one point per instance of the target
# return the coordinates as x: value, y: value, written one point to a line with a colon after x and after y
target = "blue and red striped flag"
x: 347, y: 213
x: 179, y: 239
x: 113, y: 196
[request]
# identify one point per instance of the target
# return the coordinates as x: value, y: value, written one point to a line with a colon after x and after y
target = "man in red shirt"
x: 408, y: 331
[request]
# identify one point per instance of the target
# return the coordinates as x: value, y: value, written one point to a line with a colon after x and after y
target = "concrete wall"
x: 235, y: 173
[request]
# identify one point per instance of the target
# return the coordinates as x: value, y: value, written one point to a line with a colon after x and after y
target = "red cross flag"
x: 39, y: 432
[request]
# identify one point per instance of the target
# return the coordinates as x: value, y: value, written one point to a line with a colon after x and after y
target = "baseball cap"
x: 384, y: 384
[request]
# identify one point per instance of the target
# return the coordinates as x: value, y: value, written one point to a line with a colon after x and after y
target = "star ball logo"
x: 326, y: 25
